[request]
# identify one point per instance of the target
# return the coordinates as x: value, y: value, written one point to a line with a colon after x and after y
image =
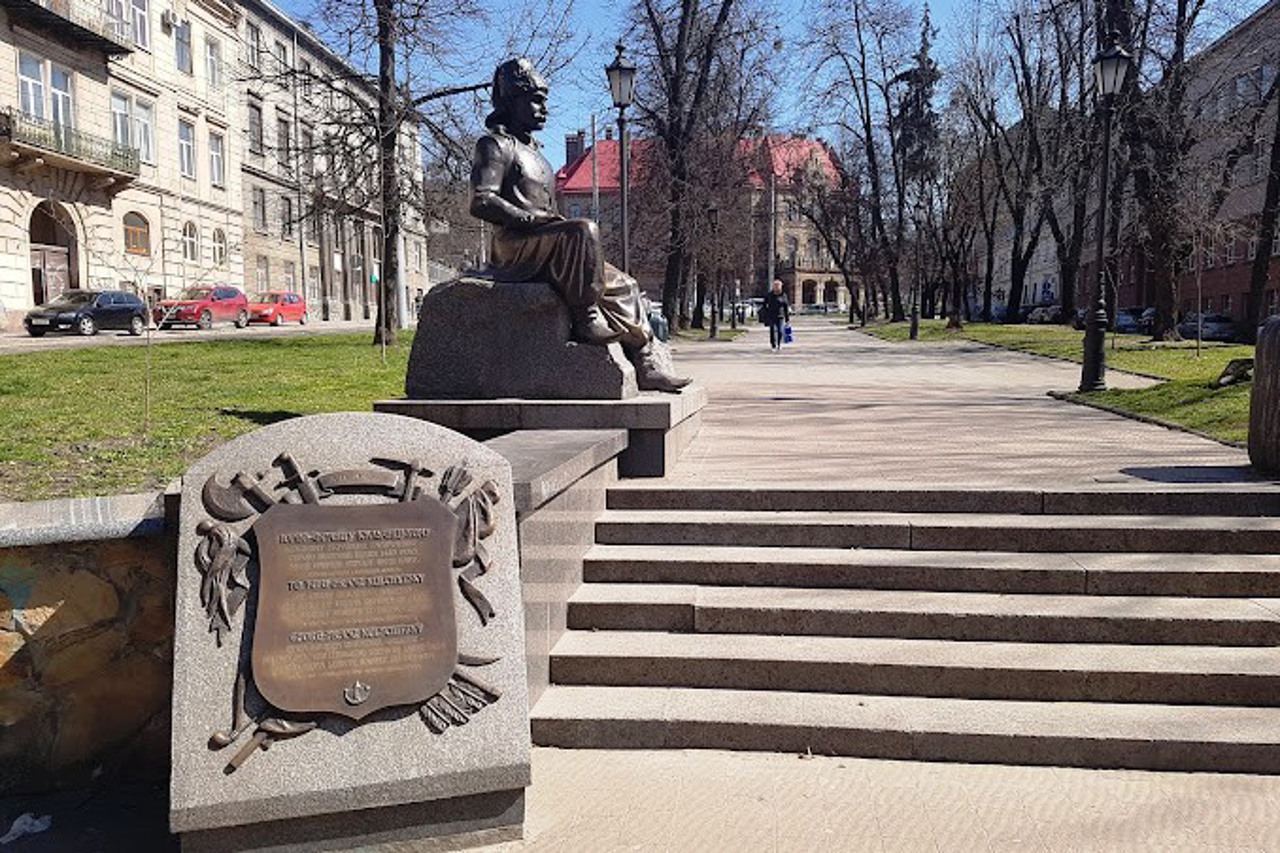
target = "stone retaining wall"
x: 86, y: 639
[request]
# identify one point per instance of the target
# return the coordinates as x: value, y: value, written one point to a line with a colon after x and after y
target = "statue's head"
x: 519, y: 97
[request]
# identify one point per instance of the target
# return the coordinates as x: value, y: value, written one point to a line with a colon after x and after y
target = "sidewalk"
x: 842, y: 406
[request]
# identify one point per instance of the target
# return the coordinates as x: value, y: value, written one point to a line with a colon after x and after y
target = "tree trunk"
x: 1266, y: 237
x: 388, y: 133
x: 699, y: 298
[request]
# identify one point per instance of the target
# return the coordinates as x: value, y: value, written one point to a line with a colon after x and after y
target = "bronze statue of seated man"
x: 513, y: 187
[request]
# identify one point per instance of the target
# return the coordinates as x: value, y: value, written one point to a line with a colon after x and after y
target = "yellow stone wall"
x: 86, y: 645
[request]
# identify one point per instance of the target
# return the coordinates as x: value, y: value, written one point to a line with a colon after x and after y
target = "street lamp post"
x: 622, y: 82
x: 713, y: 216
x: 1109, y: 70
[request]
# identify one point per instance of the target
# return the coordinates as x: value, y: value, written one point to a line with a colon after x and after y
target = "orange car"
x: 276, y: 307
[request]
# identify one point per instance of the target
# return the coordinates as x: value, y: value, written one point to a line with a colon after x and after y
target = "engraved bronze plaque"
x: 355, y: 606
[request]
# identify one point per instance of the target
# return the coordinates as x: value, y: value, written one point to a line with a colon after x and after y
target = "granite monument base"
x: 659, y: 426
x: 481, y: 339
x: 451, y: 824
x: 349, y: 661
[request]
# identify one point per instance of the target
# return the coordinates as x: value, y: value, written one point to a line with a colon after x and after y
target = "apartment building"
x: 312, y: 219
x: 773, y: 224
x: 118, y: 150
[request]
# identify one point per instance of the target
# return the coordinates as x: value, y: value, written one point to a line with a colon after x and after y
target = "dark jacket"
x: 775, y: 307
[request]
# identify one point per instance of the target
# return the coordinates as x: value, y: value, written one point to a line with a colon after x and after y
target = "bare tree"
x: 860, y: 51
x: 706, y: 86
x: 832, y: 204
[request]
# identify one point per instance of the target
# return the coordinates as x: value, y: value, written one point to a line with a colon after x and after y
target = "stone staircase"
x: 1093, y: 628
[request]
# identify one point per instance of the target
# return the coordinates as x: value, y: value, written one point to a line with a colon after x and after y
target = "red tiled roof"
x: 783, y: 154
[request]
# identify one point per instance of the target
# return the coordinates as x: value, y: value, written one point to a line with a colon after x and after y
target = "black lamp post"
x: 1109, y: 70
x: 713, y: 217
x: 622, y: 83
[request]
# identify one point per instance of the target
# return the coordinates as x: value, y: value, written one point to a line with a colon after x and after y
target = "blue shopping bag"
x: 786, y: 334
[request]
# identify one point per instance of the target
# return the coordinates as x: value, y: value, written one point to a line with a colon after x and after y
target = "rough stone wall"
x: 86, y: 644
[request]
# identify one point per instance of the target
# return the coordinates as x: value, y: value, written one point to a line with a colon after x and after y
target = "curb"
x: 1071, y: 397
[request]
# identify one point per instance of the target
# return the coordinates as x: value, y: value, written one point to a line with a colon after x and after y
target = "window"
x: 1275, y: 245
x: 284, y: 151
x: 255, y: 129
x: 1226, y: 303
x: 190, y: 242
x: 1230, y: 253
x: 792, y: 249
x: 217, y: 165
x: 142, y: 24
x: 263, y: 279
x: 142, y: 113
x: 286, y: 216
x: 252, y: 46
x: 288, y: 278
x: 282, y: 57
x: 137, y: 234
x: 1209, y: 259
x: 187, y: 148
x: 213, y: 63
x: 574, y: 211
x: 182, y: 47
x: 219, y: 247
x: 31, y: 84
x: 313, y: 227
x: 121, y: 119
x: 1271, y: 302
x: 304, y: 71
x: 62, y: 109
x: 417, y: 256
x: 260, y: 208
x: 118, y: 19
x: 307, y: 154
x: 1253, y: 248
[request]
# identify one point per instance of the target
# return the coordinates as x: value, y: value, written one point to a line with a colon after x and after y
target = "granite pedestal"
x: 659, y: 426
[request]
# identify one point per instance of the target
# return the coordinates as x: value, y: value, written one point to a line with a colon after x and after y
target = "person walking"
x: 777, y: 313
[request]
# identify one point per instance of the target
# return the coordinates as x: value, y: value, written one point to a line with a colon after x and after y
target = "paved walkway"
x: 841, y: 405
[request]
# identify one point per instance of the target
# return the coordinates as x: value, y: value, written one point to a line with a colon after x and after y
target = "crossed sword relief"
x: 222, y: 557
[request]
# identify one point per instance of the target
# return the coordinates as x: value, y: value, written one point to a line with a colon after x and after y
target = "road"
x: 19, y: 342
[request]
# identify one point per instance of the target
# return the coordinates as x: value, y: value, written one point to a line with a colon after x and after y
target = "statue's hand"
x: 544, y: 217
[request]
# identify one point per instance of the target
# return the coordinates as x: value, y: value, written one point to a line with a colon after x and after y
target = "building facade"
x: 154, y: 147
x: 120, y: 156
x: 773, y: 226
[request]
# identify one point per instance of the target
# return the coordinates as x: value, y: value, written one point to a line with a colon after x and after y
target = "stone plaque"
x: 355, y: 606
x: 349, y: 659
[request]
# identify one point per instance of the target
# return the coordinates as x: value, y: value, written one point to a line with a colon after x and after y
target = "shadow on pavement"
x: 1198, y: 474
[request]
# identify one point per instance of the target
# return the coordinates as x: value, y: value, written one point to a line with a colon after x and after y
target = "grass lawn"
x: 74, y: 420
x: 1190, y: 397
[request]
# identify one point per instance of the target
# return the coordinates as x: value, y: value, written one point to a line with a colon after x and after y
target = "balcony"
x: 76, y: 22
x: 34, y: 143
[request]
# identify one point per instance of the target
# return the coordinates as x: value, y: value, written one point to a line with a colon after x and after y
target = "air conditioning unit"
x: 169, y: 18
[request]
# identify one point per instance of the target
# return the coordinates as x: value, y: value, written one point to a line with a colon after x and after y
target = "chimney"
x: 575, y: 145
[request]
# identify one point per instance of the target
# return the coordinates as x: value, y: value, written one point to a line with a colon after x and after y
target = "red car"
x: 276, y: 307
x: 202, y: 307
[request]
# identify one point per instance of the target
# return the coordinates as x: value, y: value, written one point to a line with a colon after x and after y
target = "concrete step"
x: 1031, y: 618
x: 943, y: 531
x: 976, y: 670
x: 1203, y: 575
x: 1230, y: 500
x: 1224, y: 739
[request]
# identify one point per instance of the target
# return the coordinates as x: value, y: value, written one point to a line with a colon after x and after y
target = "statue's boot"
x: 589, y: 326
x: 651, y: 377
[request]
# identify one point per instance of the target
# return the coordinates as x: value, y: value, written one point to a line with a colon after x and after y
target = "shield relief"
x: 355, y: 606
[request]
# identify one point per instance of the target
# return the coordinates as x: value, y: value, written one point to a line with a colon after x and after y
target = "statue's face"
x: 529, y: 111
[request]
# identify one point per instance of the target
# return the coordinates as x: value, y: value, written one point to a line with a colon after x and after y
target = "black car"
x: 87, y: 311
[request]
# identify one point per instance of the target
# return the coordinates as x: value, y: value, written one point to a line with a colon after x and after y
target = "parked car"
x: 1045, y: 314
x: 1129, y: 321
x: 87, y: 311
x: 1147, y: 321
x: 276, y: 307
x: 1213, y: 327
x: 202, y: 307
